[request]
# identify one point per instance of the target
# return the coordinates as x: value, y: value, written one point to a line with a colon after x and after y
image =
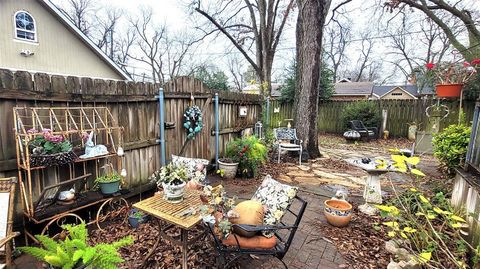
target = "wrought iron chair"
x: 285, y: 233
x: 366, y: 133
x: 7, y: 196
x: 286, y: 139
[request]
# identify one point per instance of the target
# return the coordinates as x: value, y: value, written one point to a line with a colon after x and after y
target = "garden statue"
x: 92, y: 150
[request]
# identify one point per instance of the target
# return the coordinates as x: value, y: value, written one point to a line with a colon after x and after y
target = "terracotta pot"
x: 449, y: 90
x: 338, y: 212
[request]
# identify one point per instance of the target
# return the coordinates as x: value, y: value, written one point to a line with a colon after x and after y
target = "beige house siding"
x: 397, y: 94
x: 57, y: 50
x: 349, y: 97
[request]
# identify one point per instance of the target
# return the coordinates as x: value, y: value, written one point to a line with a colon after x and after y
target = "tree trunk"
x: 310, y: 22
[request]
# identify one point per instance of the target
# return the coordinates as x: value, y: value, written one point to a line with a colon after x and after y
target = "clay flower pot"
x: 449, y: 90
x: 338, y: 212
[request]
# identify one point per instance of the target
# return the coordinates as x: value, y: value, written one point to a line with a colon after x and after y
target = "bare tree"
x: 245, y: 24
x: 310, y: 23
x: 235, y: 69
x: 79, y: 12
x: 105, y: 29
x: 337, y: 36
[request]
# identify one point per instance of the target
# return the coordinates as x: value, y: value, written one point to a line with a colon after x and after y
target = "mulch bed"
x: 359, y: 243
x: 166, y: 255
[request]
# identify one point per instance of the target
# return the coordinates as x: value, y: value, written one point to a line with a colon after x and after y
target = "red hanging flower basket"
x: 449, y: 90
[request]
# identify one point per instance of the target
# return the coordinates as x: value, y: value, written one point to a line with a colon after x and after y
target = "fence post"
x: 217, y: 140
x: 162, y: 125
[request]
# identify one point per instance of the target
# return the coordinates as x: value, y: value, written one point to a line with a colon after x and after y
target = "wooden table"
x: 172, y: 213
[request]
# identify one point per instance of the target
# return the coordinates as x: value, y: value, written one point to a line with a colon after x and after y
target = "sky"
x: 174, y: 14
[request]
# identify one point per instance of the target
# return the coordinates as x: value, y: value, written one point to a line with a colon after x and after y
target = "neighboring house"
x: 255, y: 89
x: 347, y: 90
x: 37, y: 37
x: 400, y: 92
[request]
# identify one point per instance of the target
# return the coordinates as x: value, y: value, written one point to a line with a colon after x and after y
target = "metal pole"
x: 217, y: 140
x: 267, y: 120
x: 162, y: 126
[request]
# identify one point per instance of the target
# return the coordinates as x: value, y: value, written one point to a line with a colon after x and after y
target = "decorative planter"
x: 135, y: 221
x: 173, y: 193
x: 229, y: 169
x: 60, y: 158
x: 338, y: 212
x: 449, y: 90
x: 110, y: 187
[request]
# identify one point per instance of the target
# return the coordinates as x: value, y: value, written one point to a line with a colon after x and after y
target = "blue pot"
x: 110, y: 187
x: 135, y: 221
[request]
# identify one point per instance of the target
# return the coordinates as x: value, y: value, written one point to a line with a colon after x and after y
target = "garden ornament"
x: 92, y: 150
x: 340, y: 195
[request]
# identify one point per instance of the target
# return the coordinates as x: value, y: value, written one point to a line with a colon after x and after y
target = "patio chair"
x: 7, y: 193
x: 284, y: 233
x: 286, y: 140
x: 366, y: 133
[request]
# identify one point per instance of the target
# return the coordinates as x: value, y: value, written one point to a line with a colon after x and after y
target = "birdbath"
x: 373, y: 190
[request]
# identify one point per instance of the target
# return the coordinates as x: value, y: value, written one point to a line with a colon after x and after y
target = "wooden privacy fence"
x: 134, y: 106
x: 401, y: 113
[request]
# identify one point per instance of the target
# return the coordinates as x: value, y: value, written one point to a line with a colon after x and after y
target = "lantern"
x: 258, y: 130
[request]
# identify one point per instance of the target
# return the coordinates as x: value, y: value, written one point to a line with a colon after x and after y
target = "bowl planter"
x: 135, y: 217
x: 338, y: 212
x: 109, y: 187
x: 60, y: 158
x: 173, y: 193
x: 449, y: 90
x: 229, y: 168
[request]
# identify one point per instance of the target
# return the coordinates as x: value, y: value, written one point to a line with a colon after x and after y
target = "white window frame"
x: 15, y: 29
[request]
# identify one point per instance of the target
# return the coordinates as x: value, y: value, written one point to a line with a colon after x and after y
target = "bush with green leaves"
x: 365, y: 111
x: 450, y: 145
x: 74, y: 250
x: 249, y: 152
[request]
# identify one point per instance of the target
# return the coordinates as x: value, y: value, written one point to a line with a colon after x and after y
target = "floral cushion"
x: 276, y: 197
x: 196, y: 168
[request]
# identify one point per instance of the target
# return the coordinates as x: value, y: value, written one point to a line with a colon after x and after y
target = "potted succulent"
x: 75, y: 252
x: 48, y: 149
x: 451, y: 76
x: 135, y: 217
x: 338, y: 212
x: 109, y: 183
x: 172, y: 178
x: 249, y: 152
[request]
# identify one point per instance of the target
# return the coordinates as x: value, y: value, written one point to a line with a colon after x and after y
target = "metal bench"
x: 366, y: 133
x: 286, y: 140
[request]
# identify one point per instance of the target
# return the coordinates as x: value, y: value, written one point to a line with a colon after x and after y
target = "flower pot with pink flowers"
x: 450, y: 77
x: 49, y: 149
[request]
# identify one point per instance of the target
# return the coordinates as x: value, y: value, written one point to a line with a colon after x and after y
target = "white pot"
x: 173, y: 193
x: 229, y: 169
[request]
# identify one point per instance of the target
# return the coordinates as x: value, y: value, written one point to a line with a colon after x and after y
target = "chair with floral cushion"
x: 283, y: 213
x: 286, y: 140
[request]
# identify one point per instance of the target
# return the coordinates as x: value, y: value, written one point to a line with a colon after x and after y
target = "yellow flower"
x: 391, y: 234
x: 278, y: 214
x: 291, y: 193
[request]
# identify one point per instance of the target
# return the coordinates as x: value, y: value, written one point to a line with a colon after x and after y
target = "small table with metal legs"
x: 178, y: 215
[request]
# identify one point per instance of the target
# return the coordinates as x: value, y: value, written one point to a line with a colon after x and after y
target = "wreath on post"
x: 193, y: 121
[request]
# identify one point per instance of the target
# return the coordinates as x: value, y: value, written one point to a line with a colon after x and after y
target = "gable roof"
x: 412, y: 90
x: 353, y: 88
x: 70, y: 26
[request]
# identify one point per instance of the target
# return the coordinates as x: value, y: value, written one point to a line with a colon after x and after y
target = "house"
x: 348, y: 91
x: 255, y: 89
x: 37, y: 37
x: 400, y: 92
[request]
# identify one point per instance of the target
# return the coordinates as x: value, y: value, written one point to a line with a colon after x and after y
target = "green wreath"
x: 193, y: 121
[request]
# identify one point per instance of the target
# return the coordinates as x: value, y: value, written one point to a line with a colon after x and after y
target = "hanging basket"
x: 52, y: 159
x: 449, y: 90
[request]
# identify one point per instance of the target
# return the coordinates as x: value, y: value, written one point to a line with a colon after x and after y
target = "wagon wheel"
x: 59, y: 221
x: 112, y: 209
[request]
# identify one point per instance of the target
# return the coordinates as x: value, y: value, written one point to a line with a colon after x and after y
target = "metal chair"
x: 7, y: 196
x: 284, y: 233
x: 366, y: 133
x: 286, y: 139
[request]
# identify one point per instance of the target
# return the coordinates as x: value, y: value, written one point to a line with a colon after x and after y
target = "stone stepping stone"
x: 325, y: 174
x: 285, y: 178
x: 299, y: 174
x: 303, y: 167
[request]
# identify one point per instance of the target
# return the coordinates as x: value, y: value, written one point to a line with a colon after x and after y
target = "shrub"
x: 365, y: 111
x: 450, y: 145
x: 249, y: 152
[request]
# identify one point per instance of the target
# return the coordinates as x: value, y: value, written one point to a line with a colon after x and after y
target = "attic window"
x: 25, y: 28
x: 397, y: 93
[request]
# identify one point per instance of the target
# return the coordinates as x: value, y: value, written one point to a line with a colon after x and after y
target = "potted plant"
x: 48, y: 149
x: 227, y: 168
x: 75, y: 252
x: 135, y: 217
x: 338, y: 212
x: 173, y: 180
x: 451, y: 76
x: 249, y: 152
